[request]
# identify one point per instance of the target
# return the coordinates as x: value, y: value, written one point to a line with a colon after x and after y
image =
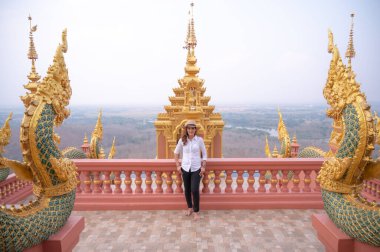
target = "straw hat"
x: 190, y: 122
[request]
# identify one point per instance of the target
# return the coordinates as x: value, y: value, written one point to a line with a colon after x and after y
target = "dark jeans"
x: 191, y: 182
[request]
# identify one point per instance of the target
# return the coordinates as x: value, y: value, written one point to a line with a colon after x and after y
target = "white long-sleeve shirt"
x: 191, y: 153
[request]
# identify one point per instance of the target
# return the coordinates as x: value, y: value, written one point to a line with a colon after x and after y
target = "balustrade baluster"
x: 148, y: 182
x: 205, y: 181
x: 217, y: 182
x: 284, y: 181
x: 107, y: 182
x: 307, y: 181
x: 2, y: 192
x: 97, y: 182
x: 273, y: 181
x: 239, y: 182
x: 87, y: 182
x: 228, y: 182
x: 365, y: 186
x: 13, y: 185
x: 296, y: 181
x: 158, y: 182
x: 79, y: 189
x: 251, y: 181
x: 138, y: 182
x: 262, y: 181
x: 117, y: 181
x: 373, y: 188
x: 169, y: 182
x: 128, y: 182
x: 178, y: 182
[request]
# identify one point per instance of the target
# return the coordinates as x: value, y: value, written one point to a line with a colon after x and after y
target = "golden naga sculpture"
x: 94, y: 150
x: 287, y: 146
x: 54, y: 177
x: 341, y: 176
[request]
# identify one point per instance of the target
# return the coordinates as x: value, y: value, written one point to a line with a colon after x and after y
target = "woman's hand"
x: 203, y: 170
x: 179, y: 169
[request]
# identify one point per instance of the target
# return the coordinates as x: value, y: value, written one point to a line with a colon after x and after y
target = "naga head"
x: 55, y: 88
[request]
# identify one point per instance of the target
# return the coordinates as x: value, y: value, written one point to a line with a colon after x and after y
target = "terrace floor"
x: 217, y: 230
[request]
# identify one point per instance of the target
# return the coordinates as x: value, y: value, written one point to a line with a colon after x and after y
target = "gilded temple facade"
x: 189, y: 102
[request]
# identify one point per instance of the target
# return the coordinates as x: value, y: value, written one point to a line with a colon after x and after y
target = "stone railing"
x: 229, y: 183
x: 371, y: 190
x: 13, y: 190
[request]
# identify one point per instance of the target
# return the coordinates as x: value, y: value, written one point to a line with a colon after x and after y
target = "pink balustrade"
x: 229, y: 183
x: 371, y: 190
x: 13, y: 190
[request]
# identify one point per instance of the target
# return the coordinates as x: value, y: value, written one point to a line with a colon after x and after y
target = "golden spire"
x: 294, y: 140
x: 267, y: 149
x: 350, y: 53
x: 85, y: 139
x: 191, y: 40
x: 113, y: 149
x: 32, y: 54
x: 275, y: 152
x: 98, y: 131
x: 102, y: 155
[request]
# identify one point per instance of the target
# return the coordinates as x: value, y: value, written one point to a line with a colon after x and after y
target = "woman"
x: 193, y: 165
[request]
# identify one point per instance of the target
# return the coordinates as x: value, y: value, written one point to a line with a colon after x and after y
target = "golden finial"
x: 191, y: 40
x: 350, y: 53
x: 113, y: 149
x: 32, y: 54
x: 98, y: 131
x: 294, y: 140
x: 275, y: 152
x: 267, y: 149
x: 102, y: 155
x: 85, y: 139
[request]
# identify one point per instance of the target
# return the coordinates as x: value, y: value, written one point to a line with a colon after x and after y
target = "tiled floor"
x: 227, y: 230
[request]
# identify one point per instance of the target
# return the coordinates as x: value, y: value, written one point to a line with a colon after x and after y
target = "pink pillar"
x: 107, y: 182
x: 296, y: 181
x: 87, y: 182
x: 117, y: 182
x: 178, y: 182
x: 148, y: 182
x: 251, y: 181
x: 169, y: 183
x: 284, y: 181
x: 205, y: 182
x: 138, y: 182
x: 97, y: 182
x: 273, y: 181
x: 262, y: 181
x: 239, y: 181
x: 159, y: 182
x: 128, y: 182
x: 217, y: 182
x: 307, y: 181
x: 228, y: 182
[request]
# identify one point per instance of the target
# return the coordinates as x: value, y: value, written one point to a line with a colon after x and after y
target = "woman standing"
x: 193, y: 165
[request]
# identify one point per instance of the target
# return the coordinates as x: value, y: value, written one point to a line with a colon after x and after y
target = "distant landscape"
x: 244, y: 132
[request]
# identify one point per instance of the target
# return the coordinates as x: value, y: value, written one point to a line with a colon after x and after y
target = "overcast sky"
x: 131, y: 52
